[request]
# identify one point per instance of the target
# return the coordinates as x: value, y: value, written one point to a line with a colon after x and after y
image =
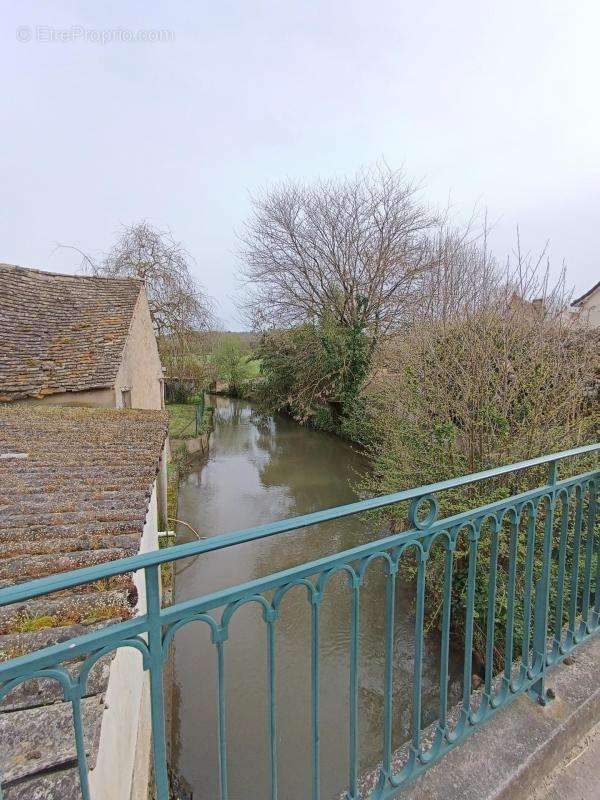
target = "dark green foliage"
x: 315, y: 373
x: 181, y: 391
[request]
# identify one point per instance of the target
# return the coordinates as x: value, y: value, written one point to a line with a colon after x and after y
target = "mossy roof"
x: 61, y: 333
x: 75, y: 486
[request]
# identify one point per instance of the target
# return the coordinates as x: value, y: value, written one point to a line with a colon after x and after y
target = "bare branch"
x: 350, y: 249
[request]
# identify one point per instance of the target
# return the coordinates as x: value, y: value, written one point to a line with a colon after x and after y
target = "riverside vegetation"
x: 393, y: 328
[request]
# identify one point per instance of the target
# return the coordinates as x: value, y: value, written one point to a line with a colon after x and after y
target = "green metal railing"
x: 199, y: 413
x: 563, y: 561
x: 195, y: 420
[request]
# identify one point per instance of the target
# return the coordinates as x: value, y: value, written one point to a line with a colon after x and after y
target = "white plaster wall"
x: 589, y: 310
x: 123, y: 762
x: 141, y: 369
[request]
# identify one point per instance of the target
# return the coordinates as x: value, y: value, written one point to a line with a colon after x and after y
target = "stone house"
x: 586, y: 308
x: 72, y: 340
x: 77, y: 340
x: 78, y: 487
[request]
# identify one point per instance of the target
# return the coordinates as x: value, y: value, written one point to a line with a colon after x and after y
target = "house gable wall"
x: 141, y: 370
x: 588, y: 310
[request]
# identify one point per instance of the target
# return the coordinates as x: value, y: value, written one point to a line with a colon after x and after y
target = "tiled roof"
x: 74, y: 491
x: 61, y: 333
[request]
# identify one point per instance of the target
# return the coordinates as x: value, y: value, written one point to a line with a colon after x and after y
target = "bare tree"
x: 465, y: 277
x: 177, y: 302
x: 464, y: 274
x: 351, y: 249
x: 178, y: 305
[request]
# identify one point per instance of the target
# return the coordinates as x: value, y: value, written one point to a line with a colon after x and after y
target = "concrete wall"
x: 123, y: 764
x: 140, y: 370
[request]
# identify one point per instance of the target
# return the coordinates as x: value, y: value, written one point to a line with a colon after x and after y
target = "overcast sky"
x: 489, y: 103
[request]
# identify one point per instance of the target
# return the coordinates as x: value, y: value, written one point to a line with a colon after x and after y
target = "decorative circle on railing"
x: 423, y: 511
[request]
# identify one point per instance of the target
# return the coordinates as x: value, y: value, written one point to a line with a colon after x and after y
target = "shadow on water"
x: 259, y: 470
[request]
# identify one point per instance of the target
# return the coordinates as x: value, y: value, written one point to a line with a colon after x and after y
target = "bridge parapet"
x: 561, y: 562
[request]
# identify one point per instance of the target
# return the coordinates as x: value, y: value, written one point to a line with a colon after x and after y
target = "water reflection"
x: 259, y: 470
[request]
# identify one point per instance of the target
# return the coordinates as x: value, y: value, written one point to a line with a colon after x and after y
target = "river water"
x: 260, y: 470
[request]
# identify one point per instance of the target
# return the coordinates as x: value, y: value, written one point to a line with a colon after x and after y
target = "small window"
x: 126, y: 398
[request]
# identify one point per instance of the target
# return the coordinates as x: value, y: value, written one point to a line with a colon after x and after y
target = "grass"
x: 181, y: 426
x: 206, y: 423
x: 250, y: 370
x: 182, y: 417
x: 181, y: 420
x: 175, y: 469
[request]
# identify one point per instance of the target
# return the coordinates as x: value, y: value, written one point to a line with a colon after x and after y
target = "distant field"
x: 254, y: 367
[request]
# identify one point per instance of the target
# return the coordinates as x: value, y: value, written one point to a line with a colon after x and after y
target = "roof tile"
x: 61, y: 333
x: 76, y: 494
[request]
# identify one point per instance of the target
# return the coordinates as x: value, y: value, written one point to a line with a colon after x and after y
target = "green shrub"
x: 467, y: 396
x: 311, y: 369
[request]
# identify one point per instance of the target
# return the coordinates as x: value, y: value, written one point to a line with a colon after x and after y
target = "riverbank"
x: 354, y: 427
x: 187, y: 439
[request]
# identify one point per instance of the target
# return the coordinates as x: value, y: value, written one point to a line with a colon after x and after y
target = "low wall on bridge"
x: 122, y: 770
x: 513, y: 752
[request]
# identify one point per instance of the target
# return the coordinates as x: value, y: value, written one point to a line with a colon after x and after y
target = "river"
x: 259, y: 470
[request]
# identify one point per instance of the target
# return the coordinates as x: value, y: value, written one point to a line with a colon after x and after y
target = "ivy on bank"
x: 315, y: 373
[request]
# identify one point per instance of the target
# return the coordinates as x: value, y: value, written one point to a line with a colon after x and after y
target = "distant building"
x: 77, y: 340
x: 78, y: 487
x: 530, y: 310
x: 587, y: 307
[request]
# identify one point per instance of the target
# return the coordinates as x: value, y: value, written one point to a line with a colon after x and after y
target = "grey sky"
x: 493, y: 103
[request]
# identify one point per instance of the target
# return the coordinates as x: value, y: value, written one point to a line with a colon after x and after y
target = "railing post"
x: 538, y: 690
x: 157, y: 703
x: 315, y: 690
x: 385, y: 770
x: 474, y: 533
x: 353, y: 762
